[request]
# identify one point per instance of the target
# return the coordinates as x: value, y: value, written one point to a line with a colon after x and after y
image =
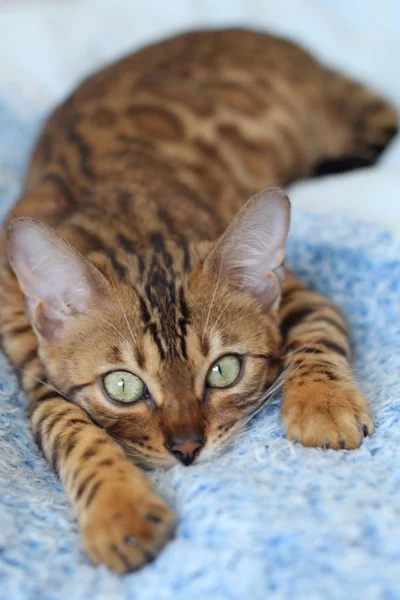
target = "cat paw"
x: 125, y: 531
x: 326, y: 415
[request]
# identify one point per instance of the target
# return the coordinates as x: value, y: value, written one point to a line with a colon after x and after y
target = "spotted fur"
x: 140, y: 171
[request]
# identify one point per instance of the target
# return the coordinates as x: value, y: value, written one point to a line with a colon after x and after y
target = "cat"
x: 145, y: 305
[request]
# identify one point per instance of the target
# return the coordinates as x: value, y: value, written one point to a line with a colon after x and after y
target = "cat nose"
x: 186, y: 450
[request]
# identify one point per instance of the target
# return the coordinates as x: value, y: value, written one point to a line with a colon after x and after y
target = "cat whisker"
x: 277, y: 385
x: 300, y: 348
x: 45, y: 383
x: 237, y: 321
x: 220, y: 314
x: 240, y: 428
x: 108, y: 323
x: 272, y: 391
x: 147, y: 459
x: 212, y: 301
x: 136, y: 455
x: 122, y: 307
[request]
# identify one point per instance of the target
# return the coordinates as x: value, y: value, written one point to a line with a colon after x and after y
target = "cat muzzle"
x: 186, y: 450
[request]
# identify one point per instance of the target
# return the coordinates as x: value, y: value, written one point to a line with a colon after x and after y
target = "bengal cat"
x: 145, y: 319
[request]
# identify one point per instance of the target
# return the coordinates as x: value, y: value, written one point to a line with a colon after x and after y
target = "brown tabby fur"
x: 141, y: 170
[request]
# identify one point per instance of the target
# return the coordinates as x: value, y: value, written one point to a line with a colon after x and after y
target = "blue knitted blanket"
x: 268, y: 519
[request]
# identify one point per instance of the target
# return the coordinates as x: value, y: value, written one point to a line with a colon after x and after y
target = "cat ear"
x: 250, y: 253
x: 57, y: 282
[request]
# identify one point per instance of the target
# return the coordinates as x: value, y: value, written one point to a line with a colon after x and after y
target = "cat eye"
x: 124, y: 387
x: 224, y: 372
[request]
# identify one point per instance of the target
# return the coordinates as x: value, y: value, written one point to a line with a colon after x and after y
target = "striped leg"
x: 123, y: 523
x: 322, y: 405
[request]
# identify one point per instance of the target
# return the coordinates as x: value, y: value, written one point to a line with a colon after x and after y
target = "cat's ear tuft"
x: 251, y: 252
x: 57, y: 282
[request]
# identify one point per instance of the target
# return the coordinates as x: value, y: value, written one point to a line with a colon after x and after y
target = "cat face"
x: 173, y: 367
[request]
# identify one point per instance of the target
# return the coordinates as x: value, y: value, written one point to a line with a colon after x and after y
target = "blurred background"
x: 46, y: 47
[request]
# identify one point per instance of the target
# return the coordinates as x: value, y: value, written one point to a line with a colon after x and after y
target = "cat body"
x: 145, y: 305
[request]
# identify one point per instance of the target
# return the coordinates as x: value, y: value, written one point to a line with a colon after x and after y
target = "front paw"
x: 125, y: 530
x: 328, y: 415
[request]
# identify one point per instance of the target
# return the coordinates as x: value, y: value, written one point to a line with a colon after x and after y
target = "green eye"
x: 224, y: 372
x: 125, y: 387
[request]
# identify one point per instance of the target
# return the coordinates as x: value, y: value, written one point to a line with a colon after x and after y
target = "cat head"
x: 174, y: 363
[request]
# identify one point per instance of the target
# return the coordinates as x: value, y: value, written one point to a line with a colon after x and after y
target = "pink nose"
x: 186, y: 450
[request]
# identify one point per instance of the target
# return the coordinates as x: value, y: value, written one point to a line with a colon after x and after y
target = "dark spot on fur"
x: 93, y: 493
x: 29, y: 357
x: 103, y: 117
x: 82, y: 487
x: 153, y: 518
x: 48, y: 395
x: 333, y: 347
x: 332, y: 322
x: 19, y: 330
x: 55, y: 453
x: 107, y: 462
x: 70, y: 444
x: 114, y: 354
x: 74, y: 389
x: 155, y: 121
x: 90, y: 452
x: 294, y: 318
x: 77, y: 422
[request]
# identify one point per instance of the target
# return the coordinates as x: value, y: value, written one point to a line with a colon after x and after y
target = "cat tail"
x: 364, y: 122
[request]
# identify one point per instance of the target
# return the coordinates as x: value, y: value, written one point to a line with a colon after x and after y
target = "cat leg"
x: 123, y: 522
x: 322, y: 404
